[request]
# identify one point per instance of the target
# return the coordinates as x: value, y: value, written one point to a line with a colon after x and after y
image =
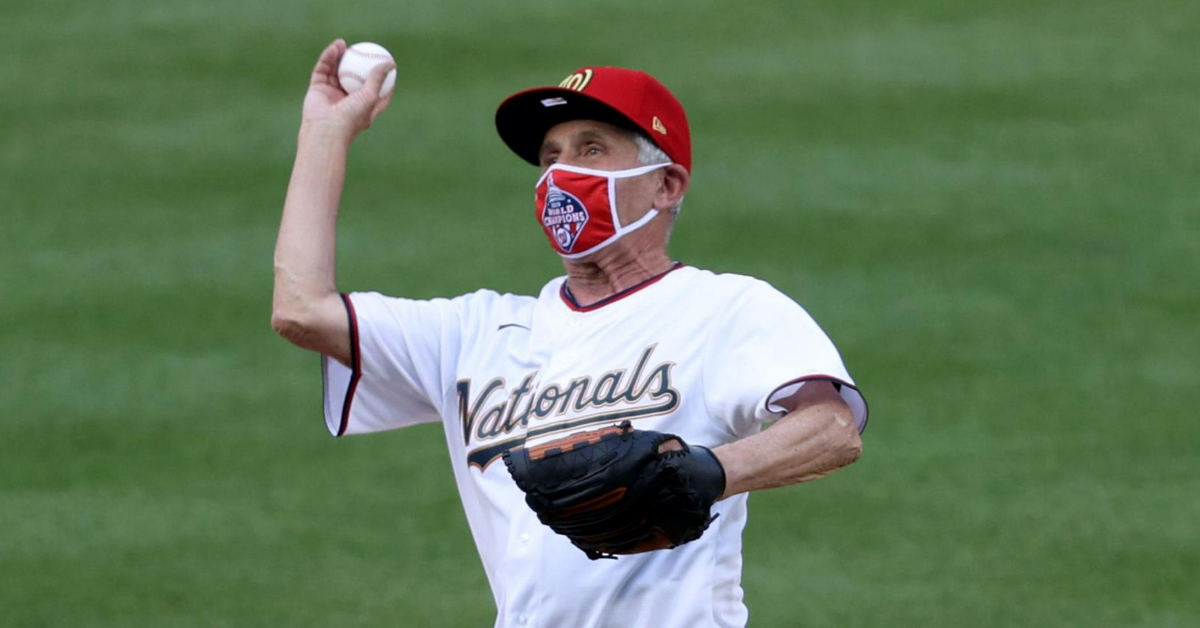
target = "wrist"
x: 727, y: 458
x: 325, y: 133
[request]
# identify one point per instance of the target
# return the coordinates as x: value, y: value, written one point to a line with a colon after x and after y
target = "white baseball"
x: 357, y: 63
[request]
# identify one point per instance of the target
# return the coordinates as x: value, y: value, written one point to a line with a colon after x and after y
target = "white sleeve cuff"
x: 339, y: 381
x: 849, y: 392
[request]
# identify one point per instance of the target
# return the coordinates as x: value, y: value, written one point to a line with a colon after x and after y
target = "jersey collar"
x: 569, y: 299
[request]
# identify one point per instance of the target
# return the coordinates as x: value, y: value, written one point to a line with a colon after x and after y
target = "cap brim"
x: 523, y: 118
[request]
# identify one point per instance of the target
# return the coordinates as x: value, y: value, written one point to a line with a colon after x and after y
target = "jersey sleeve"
x: 402, y: 352
x: 765, y: 349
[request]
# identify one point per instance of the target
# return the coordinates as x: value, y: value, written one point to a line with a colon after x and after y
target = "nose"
x: 569, y: 160
x: 565, y: 160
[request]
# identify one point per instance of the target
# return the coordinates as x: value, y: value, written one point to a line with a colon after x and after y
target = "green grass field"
x: 992, y: 207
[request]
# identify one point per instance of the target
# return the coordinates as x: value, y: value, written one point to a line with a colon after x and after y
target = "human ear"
x: 671, y: 187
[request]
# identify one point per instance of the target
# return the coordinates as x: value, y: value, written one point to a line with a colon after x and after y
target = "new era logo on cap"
x: 623, y: 97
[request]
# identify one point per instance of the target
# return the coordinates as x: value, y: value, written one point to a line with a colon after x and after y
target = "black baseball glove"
x: 618, y: 490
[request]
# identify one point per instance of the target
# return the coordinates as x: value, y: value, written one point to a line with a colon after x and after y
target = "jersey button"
x: 521, y: 619
x: 525, y: 538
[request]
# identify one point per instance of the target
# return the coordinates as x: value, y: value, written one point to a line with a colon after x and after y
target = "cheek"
x: 634, y: 198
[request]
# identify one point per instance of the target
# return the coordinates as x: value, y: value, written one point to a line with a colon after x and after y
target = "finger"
x: 362, y: 103
x: 323, y: 67
x: 327, y: 63
x: 341, y: 46
x: 375, y: 79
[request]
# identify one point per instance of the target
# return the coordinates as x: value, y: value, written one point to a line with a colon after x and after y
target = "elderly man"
x: 627, y: 335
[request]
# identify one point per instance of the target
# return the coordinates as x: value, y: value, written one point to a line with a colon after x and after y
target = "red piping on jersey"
x: 355, y: 365
x: 837, y: 382
x: 569, y: 299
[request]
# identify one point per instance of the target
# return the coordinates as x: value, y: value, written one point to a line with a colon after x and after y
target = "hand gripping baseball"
x: 618, y: 490
x: 326, y: 103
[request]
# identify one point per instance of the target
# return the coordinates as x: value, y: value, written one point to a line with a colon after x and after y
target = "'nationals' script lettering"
x: 539, y: 409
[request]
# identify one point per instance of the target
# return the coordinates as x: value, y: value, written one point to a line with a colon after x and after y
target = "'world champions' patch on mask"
x: 564, y: 216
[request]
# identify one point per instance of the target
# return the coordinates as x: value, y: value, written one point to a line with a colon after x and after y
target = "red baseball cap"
x: 628, y: 98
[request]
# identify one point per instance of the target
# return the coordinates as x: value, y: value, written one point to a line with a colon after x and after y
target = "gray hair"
x: 650, y: 154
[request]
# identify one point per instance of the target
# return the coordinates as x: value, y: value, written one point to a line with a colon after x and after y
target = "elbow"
x: 283, y: 324
x: 850, y: 447
x: 291, y: 326
x: 846, y: 445
x: 286, y: 325
x: 317, y: 325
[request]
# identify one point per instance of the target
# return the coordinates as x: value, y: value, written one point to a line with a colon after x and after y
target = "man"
x: 628, y: 334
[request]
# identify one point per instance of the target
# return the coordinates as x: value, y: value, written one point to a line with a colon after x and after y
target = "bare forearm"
x: 304, y: 252
x: 305, y: 296
x: 806, y: 444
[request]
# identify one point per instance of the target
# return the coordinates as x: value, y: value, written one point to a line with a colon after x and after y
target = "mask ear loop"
x: 612, y: 197
x: 612, y: 204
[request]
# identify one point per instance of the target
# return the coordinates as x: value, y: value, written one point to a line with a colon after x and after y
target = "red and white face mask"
x: 577, y: 207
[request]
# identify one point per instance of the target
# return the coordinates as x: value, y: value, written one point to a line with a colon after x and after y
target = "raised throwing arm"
x: 307, y: 310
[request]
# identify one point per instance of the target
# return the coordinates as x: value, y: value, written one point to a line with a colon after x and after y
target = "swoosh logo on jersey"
x: 507, y: 325
x: 532, y: 408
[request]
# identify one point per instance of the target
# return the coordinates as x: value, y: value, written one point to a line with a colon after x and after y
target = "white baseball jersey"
x: 690, y: 352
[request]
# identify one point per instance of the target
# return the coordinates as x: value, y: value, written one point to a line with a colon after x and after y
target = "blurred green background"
x: 992, y: 207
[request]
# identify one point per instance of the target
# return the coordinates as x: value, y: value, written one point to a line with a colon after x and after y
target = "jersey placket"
x: 527, y: 536
x: 579, y: 349
x: 522, y: 597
